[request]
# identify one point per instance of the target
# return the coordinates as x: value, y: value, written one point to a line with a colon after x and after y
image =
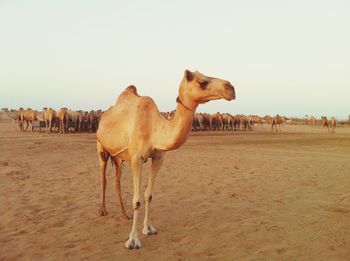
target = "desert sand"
x: 222, y: 196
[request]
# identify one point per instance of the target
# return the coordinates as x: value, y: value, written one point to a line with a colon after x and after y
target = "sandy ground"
x: 223, y: 196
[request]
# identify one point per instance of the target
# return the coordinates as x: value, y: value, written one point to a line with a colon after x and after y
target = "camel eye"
x: 203, y: 84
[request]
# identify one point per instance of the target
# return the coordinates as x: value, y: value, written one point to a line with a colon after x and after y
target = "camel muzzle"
x: 229, y: 92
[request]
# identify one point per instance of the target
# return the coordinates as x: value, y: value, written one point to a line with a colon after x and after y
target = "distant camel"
x: 325, y: 123
x: 93, y: 120
x: 28, y: 116
x: 15, y: 115
x: 227, y: 121
x: 50, y: 117
x: 267, y: 119
x: 333, y: 124
x: 207, y: 121
x: 76, y: 117
x: 79, y: 121
x: 134, y: 130
x: 63, y: 119
x: 257, y: 120
x: 168, y: 115
x: 198, y: 122
x: 237, y: 120
x: 217, y: 121
x: 277, y: 121
x: 310, y: 120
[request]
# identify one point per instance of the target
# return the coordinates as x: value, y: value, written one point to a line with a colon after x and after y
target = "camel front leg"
x: 102, y: 158
x: 136, y: 165
x: 157, y: 162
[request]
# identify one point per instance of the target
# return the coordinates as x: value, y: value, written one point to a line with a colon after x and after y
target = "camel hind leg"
x: 118, y: 174
x: 102, y: 159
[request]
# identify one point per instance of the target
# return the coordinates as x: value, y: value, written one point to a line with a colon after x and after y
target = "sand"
x: 222, y: 196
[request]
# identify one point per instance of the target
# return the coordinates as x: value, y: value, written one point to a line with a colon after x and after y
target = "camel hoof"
x: 149, y: 230
x: 133, y: 243
x: 102, y: 212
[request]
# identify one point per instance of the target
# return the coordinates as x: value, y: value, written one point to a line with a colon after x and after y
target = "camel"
x: 277, y: 120
x: 15, y: 115
x: 247, y: 122
x: 217, y: 121
x: 63, y: 118
x: 165, y: 114
x: 227, y: 121
x: 333, y: 124
x: 257, y: 120
x: 325, y: 123
x: 198, y: 122
x: 50, y: 116
x: 28, y: 116
x: 207, y: 121
x: 40, y: 118
x: 79, y: 120
x: 85, y: 121
x: 310, y: 120
x: 168, y: 115
x: 76, y: 117
x: 267, y: 119
x: 237, y: 120
x: 134, y: 130
x: 93, y: 119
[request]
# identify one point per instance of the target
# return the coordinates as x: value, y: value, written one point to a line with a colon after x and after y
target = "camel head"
x: 197, y: 88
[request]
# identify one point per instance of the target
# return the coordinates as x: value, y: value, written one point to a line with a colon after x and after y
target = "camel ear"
x: 188, y: 75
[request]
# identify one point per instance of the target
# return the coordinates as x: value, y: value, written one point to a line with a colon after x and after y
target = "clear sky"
x: 286, y: 57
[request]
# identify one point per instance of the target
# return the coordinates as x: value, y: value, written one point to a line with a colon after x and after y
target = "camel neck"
x: 173, y: 133
x: 178, y: 100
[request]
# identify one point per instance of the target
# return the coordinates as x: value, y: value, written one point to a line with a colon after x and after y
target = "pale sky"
x: 286, y: 57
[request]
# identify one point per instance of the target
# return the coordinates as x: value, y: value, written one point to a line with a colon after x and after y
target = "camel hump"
x: 131, y: 89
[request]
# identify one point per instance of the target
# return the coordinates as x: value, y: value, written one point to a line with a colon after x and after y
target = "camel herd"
x: 66, y: 120
x: 50, y: 120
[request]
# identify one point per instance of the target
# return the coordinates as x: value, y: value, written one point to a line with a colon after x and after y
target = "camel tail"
x: 123, y: 165
x: 113, y: 163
